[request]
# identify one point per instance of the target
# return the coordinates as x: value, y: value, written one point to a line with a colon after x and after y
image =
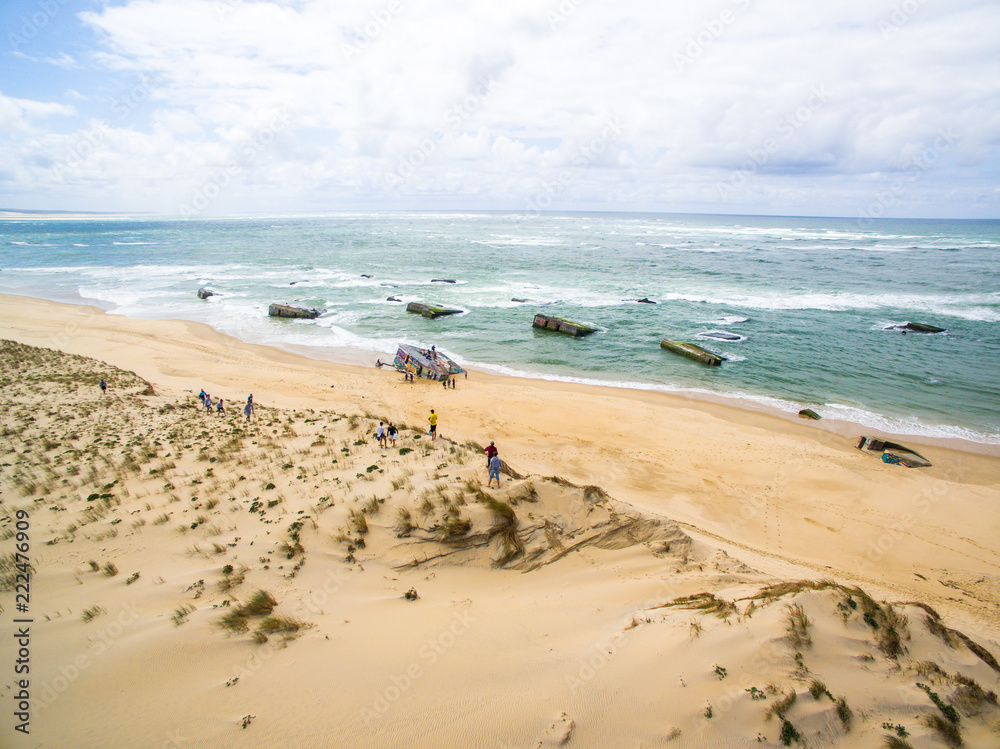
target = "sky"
x: 857, y: 108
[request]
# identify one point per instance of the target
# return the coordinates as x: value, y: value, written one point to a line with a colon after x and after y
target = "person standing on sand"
x: 491, y: 450
x: 393, y: 434
x: 104, y: 387
x: 219, y: 408
x: 434, y: 425
x: 380, y: 433
x: 494, y: 471
x: 248, y: 410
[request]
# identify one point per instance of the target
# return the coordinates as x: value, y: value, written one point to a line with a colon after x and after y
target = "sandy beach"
x: 654, y: 570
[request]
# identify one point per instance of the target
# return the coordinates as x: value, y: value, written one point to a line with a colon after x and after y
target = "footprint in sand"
x: 557, y: 734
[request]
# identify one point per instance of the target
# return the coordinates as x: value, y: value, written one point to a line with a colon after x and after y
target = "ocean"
x: 809, y: 300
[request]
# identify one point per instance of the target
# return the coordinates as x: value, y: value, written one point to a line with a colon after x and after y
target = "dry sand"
x: 628, y: 584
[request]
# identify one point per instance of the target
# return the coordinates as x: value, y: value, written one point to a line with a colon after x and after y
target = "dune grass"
x: 504, y: 527
x: 707, y: 603
x: 946, y: 730
x: 404, y: 522
x: 781, y: 706
x: 92, y: 613
x: 894, y: 742
x: 260, y: 604
x: 797, y: 626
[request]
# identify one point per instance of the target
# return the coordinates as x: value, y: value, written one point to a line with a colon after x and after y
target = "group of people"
x: 448, y: 380
x: 206, y: 401
x: 493, y: 464
x: 219, y: 407
x: 386, y: 435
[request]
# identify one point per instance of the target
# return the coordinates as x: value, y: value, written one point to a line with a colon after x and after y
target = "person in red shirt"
x: 491, y: 450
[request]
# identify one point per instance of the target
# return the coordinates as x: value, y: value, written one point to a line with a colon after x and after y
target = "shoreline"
x: 706, y: 464
x: 364, y: 359
x: 640, y: 548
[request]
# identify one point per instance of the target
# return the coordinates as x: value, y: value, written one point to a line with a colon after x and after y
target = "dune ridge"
x: 642, y: 499
x: 288, y: 580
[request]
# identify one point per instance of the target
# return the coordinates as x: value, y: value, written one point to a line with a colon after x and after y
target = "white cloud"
x: 22, y: 115
x: 62, y: 61
x: 806, y: 106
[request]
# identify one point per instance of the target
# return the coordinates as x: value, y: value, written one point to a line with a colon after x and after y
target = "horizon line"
x: 7, y: 213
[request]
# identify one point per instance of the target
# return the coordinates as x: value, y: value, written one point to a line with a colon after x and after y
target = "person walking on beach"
x: 393, y: 434
x: 380, y: 433
x: 201, y: 396
x: 491, y: 450
x: 219, y: 408
x: 495, y: 464
x: 248, y: 409
x: 434, y: 425
x: 208, y: 403
x: 104, y: 387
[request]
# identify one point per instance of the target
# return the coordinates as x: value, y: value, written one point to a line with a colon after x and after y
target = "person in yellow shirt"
x: 434, y: 425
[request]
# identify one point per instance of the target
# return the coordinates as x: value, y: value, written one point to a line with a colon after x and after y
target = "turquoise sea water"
x: 809, y: 298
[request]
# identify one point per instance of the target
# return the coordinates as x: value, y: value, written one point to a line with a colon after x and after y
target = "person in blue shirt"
x: 495, y: 464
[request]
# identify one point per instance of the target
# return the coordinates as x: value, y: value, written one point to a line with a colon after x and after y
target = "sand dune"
x: 204, y: 581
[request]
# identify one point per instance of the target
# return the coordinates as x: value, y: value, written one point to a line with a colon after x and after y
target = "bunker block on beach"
x: 691, y: 351
x: 891, y: 452
x: 291, y: 310
x: 432, y: 311
x: 431, y: 365
x: 561, y: 325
